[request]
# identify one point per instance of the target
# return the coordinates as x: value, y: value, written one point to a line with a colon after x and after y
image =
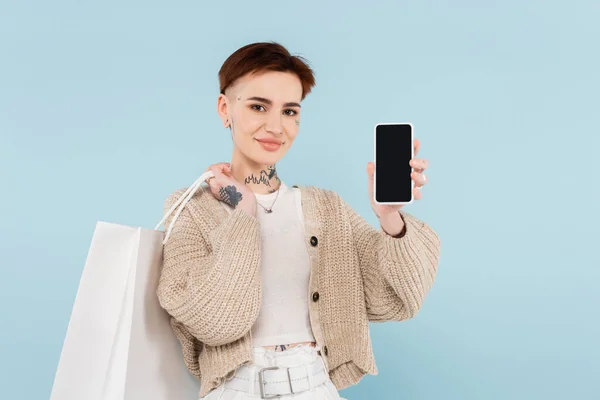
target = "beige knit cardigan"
x: 210, y: 282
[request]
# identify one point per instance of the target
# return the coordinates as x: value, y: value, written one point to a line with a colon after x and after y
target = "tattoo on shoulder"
x: 230, y: 195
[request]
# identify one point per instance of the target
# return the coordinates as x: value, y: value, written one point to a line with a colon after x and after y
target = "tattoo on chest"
x: 230, y: 195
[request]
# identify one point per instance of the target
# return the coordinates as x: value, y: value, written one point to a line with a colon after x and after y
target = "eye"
x: 257, y: 107
x: 290, y: 112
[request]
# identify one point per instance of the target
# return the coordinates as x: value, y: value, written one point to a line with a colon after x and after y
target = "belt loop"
x: 309, y: 376
x: 252, y: 380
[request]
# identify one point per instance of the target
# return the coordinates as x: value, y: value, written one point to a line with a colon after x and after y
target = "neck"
x: 260, y: 178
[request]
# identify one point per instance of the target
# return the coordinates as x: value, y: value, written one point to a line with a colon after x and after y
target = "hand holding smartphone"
x: 392, y: 183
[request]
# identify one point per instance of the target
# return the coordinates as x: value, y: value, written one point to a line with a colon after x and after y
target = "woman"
x: 271, y: 288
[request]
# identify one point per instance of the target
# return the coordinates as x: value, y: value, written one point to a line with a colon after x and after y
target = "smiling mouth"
x: 277, y: 143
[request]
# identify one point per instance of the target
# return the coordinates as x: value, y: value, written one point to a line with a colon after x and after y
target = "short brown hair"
x: 262, y: 57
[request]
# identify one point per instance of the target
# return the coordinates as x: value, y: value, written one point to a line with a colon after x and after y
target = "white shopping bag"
x: 119, y: 343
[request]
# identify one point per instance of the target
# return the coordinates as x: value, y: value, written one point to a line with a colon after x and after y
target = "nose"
x: 274, y: 124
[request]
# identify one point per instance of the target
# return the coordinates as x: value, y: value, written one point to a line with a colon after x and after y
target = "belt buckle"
x: 261, y: 380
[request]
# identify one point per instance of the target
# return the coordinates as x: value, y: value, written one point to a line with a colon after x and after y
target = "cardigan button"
x: 315, y: 296
x: 313, y: 241
x: 325, y: 350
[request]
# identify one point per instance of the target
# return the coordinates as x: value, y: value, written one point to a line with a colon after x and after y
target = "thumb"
x: 370, y: 172
x: 227, y: 170
x: 370, y: 169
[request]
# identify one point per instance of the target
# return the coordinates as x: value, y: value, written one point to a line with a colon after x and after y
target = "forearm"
x: 225, y: 287
x: 393, y: 224
x: 409, y: 264
x: 398, y: 270
x: 211, y: 284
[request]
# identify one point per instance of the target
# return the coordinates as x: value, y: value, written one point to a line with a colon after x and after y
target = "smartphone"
x: 393, y: 151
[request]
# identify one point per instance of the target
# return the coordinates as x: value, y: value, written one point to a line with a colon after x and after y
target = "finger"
x: 370, y: 173
x: 207, y: 180
x: 417, y: 145
x: 216, y: 169
x: 227, y: 170
x: 419, y: 164
x: 223, y: 167
x: 419, y: 177
x: 210, y: 180
x: 417, y: 193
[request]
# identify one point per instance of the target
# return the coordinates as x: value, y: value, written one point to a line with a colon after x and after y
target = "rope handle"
x: 182, y: 202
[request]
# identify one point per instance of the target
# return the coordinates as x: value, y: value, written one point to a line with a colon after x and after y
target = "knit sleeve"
x: 190, y: 346
x: 210, y: 281
x: 397, y: 272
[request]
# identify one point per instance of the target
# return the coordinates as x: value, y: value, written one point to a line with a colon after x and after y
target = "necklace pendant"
x: 268, y: 210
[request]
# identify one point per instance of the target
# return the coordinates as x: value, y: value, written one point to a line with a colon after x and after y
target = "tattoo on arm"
x: 230, y: 195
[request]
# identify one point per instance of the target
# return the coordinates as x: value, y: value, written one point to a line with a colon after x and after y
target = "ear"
x: 223, y: 110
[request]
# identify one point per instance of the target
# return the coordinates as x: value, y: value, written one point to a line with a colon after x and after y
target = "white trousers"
x: 293, y: 357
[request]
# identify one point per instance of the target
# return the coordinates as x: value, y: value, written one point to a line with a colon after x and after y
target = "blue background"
x: 107, y: 108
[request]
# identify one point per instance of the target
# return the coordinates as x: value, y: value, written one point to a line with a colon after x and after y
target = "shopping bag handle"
x: 182, y: 202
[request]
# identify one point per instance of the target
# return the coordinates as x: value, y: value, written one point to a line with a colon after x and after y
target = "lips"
x: 269, y: 140
x: 269, y: 144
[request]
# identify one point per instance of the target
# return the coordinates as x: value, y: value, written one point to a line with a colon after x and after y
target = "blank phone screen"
x: 393, y: 152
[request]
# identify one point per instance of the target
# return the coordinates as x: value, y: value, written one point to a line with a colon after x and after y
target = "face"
x: 261, y: 108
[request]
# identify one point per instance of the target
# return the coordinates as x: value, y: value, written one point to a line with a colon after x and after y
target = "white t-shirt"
x: 285, y: 270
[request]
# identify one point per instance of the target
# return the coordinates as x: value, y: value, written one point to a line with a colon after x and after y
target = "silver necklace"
x: 270, y: 209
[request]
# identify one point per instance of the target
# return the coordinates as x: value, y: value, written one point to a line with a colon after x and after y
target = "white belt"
x: 273, y: 382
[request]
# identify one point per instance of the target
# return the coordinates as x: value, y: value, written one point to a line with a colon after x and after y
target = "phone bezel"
x: 412, y: 155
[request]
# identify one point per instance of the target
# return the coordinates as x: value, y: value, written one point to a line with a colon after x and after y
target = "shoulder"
x: 199, y: 198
